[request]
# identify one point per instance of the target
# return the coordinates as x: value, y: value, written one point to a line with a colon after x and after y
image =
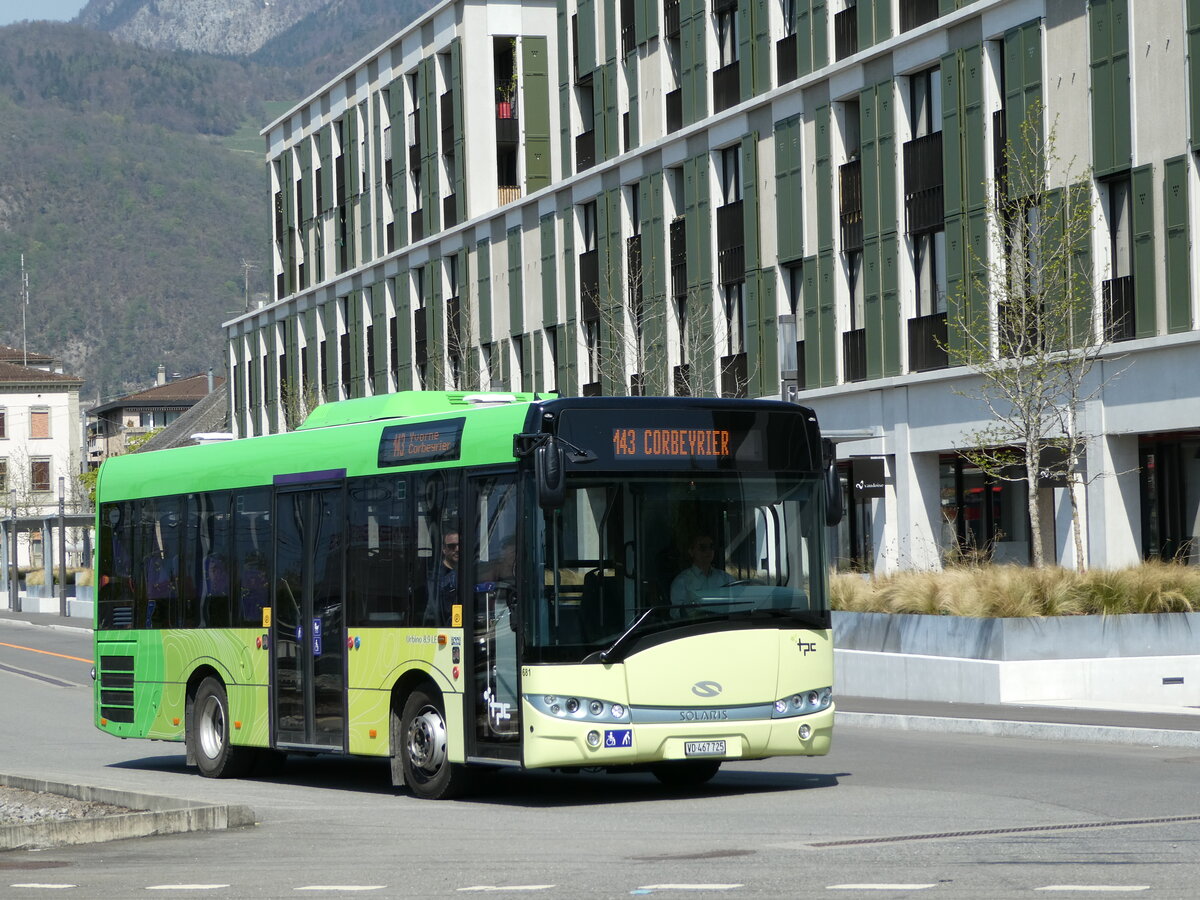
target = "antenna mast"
x: 24, y: 308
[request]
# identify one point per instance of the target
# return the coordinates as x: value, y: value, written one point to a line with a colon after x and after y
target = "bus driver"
x: 690, y: 584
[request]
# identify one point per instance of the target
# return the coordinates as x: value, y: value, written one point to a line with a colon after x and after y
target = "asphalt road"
x: 886, y: 814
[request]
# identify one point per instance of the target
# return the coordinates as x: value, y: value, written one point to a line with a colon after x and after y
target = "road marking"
x: 45, y: 887
x: 1097, y: 888
x: 342, y: 887
x: 690, y: 887
x: 879, y: 887
x: 185, y: 887
x: 493, y: 888
x: 45, y: 652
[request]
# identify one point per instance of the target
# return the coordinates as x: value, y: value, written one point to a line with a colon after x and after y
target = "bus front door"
x: 307, y: 623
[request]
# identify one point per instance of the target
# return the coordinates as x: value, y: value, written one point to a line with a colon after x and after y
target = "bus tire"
x: 686, y: 774
x: 424, y: 759
x: 208, y: 732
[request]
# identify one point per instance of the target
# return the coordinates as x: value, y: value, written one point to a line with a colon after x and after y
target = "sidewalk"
x: 1158, y: 726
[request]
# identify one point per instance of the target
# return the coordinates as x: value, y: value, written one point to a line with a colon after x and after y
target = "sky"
x: 16, y: 10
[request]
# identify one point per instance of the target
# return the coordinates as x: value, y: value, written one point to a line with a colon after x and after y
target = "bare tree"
x: 1025, y: 322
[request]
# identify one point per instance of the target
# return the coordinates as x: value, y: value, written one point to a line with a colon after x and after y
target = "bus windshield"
x: 629, y: 557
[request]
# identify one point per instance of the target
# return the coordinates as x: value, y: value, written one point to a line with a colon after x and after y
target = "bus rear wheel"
x: 208, y: 734
x: 428, y: 771
x: 686, y: 774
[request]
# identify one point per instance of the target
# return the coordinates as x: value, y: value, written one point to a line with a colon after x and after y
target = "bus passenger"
x: 690, y: 584
x: 253, y: 589
x: 443, y: 584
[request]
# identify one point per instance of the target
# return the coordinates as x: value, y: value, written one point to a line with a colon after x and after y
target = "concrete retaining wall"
x: 1093, y: 660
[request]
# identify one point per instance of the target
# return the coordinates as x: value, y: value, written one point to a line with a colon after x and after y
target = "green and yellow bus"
x: 462, y: 582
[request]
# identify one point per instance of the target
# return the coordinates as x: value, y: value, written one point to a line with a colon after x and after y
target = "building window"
x: 3, y: 476
x: 39, y: 475
x: 727, y: 34
x: 3, y: 423
x: 925, y: 102
x: 983, y: 517
x: 39, y: 423
x: 929, y: 265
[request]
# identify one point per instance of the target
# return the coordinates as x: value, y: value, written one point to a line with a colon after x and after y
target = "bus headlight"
x: 803, y: 704
x: 582, y: 709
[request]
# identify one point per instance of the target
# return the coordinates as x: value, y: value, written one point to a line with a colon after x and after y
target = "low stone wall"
x: 1151, y: 660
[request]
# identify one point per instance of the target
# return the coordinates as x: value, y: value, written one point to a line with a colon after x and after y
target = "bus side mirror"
x: 834, y: 507
x: 550, y: 471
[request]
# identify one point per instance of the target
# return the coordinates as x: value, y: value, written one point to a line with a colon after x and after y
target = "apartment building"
x: 776, y: 198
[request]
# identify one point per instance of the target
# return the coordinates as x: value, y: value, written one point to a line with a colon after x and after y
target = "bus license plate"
x: 704, y: 748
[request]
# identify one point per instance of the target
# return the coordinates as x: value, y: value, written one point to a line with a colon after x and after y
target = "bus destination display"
x: 653, y: 443
x: 405, y: 445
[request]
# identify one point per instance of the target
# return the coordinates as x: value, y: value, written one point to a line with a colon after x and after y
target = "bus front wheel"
x: 428, y: 771
x: 208, y: 733
x: 686, y: 774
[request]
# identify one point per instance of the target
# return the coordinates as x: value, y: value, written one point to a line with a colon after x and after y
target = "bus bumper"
x: 553, y: 742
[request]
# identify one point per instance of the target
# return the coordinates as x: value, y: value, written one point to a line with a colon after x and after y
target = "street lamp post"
x: 62, y: 546
x: 14, y: 594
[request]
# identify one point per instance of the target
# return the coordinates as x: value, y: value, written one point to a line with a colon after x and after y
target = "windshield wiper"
x: 605, y: 655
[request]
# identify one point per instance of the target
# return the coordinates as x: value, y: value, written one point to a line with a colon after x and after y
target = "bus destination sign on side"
x: 652, y: 443
x: 406, y: 445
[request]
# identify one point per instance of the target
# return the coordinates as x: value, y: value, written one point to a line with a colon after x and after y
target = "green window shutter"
x: 828, y: 333
x: 1144, y: 286
x: 977, y: 271
x: 612, y: 115
x: 1193, y: 73
x: 565, y: 78
x: 289, y: 389
x: 311, y: 386
x: 804, y: 58
x: 399, y: 162
x: 404, y: 330
x: 788, y: 189
x: 379, y: 334
x: 568, y: 334
x: 812, y: 323
x: 535, y: 110
x: 753, y: 346
x: 271, y: 378
x: 872, y: 307
x: 1082, y: 281
x: 1023, y: 97
x: 883, y: 21
x: 430, y: 135
x: 1175, y: 222
x: 952, y: 177
x: 460, y: 156
x: 1111, y: 120
x: 975, y: 175
x: 350, y: 154
x: 585, y: 21
x: 767, y: 369
x: 763, y: 47
x: 864, y: 13
x: 634, y: 101
x: 885, y: 140
x: 650, y: 17
x: 820, y: 34
x: 958, y: 313
x: 750, y: 199
x: 286, y: 243
x: 306, y: 183
x: 869, y: 155
x: 654, y: 280
x: 516, y: 290
x: 889, y: 279
x: 745, y: 30
x: 549, y: 272
x: 332, y: 350
x: 693, y: 38
x: 484, y: 255
x: 824, y: 179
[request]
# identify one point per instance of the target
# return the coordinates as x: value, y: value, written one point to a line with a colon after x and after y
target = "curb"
x: 1045, y: 731
x: 154, y: 815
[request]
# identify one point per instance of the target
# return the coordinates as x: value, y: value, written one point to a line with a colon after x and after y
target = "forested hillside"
x: 134, y: 212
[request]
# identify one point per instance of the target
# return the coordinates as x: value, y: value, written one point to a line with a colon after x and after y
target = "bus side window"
x: 158, y: 540
x: 204, y: 592
x: 115, y: 592
x: 251, y: 556
x: 378, y: 568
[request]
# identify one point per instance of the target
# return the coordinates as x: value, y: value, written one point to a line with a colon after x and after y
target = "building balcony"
x: 851, y: 194
x: 674, y: 100
x: 1120, y: 314
x: 731, y: 240
x: 854, y: 355
x: 727, y: 86
x: 671, y: 19
x: 508, y: 125
x: 845, y: 32
x: 787, y: 58
x: 508, y: 193
x: 679, y: 287
x: 927, y: 342
x: 914, y: 13
x: 591, y: 389
x: 585, y: 150
x: 924, y: 205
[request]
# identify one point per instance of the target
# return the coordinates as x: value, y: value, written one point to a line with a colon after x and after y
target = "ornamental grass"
x: 1009, y: 591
